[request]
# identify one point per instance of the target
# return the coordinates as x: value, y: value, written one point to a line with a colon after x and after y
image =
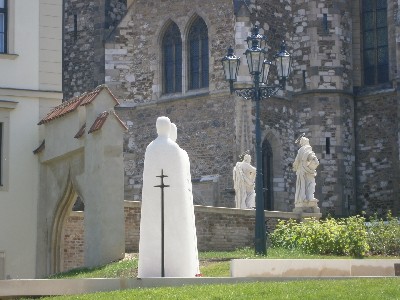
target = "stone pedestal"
x: 307, y: 207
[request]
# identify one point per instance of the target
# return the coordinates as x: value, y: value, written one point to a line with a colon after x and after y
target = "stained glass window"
x: 172, y: 60
x: 3, y: 26
x: 198, y: 55
x: 375, y: 42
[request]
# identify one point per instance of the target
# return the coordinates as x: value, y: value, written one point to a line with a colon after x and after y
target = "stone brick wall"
x: 226, y: 229
x: 275, y: 21
x: 377, y: 129
x: 330, y: 116
x: 203, y: 132
x: 133, y: 56
x: 356, y: 37
x: 378, y: 152
x: 323, y: 54
x: 83, y: 46
x: 133, y: 59
x: 278, y: 128
x: 114, y: 11
x: 218, y: 229
x: 214, y: 127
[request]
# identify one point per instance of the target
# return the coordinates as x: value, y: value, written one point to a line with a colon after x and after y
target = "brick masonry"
x: 325, y: 96
x: 72, y: 254
x: 218, y: 229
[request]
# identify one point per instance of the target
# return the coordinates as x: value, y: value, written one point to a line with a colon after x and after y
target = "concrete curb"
x: 54, y: 287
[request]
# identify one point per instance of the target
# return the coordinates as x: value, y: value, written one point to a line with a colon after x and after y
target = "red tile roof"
x: 98, y: 123
x: 72, y: 104
x: 101, y: 119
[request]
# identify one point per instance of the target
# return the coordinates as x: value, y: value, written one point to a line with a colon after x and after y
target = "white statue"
x: 173, y: 135
x: 244, y: 175
x: 305, y: 166
x: 180, y: 241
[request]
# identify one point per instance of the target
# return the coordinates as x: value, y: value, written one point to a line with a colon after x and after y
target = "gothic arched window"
x: 198, y: 55
x: 172, y: 60
x: 375, y: 42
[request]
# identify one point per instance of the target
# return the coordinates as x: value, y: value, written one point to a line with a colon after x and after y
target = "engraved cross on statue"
x: 162, y: 186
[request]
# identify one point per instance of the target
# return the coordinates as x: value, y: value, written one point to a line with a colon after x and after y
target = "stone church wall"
x: 327, y: 119
x: 378, y: 166
x: 278, y: 119
x: 275, y: 18
x: 203, y: 131
x: 86, y: 25
x: 205, y: 117
x: 133, y: 55
x: 214, y: 129
x: 322, y: 45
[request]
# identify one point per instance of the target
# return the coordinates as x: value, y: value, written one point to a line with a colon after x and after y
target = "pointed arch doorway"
x: 63, y: 210
x: 267, y: 171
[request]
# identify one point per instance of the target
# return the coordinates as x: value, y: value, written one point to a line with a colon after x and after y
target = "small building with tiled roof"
x: 81, y: 156
x: 70, y: 119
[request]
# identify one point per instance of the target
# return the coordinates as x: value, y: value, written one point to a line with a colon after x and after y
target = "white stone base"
x: 312, y: 267
x: 307, y: 207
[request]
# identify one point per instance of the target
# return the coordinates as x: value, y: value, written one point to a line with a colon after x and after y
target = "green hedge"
x: 384, y: 236
x: 331, y: 236
x: 350, y: 236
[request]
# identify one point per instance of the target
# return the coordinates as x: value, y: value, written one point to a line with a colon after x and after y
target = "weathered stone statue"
x: 244, y: 175
x: 180, y: 241
x: 305, y: 166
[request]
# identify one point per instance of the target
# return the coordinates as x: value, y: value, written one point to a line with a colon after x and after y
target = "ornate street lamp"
x: 231, y: 66
x: 283, y: 64
x: 259, y: 69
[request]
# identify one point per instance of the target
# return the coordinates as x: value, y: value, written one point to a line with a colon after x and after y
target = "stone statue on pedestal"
x: 305, y: 166
x: 244, y: 175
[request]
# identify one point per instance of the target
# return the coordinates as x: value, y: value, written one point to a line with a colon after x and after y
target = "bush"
x: 332, y: 236
x: 384, y: 236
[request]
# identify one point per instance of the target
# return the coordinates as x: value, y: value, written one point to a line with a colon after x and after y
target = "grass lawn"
x: 126, y: 268
x: 354, y: 289
x: 212, y: 264
x: 216, y: 264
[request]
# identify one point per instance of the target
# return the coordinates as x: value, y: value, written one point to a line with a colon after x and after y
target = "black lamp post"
x: 259, y: 70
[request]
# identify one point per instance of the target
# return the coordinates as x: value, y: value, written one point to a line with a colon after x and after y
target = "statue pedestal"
x: 307, y: 207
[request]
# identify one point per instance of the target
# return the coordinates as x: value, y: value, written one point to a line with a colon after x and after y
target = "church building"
x: 164, y: 58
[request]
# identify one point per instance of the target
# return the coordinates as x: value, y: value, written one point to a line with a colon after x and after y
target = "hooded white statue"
x: 180, y: 241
